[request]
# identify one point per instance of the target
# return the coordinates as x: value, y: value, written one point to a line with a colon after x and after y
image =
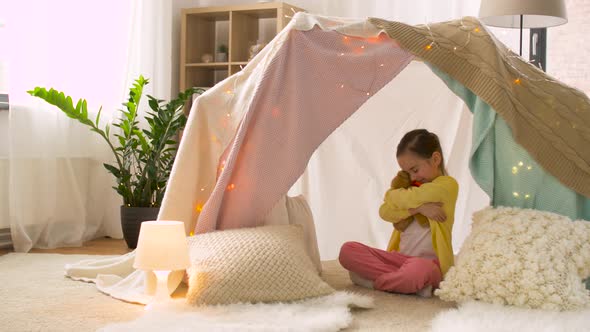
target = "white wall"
x: 568, y: 47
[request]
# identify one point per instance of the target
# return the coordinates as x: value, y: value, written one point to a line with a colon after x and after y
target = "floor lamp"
x: 523, y: 14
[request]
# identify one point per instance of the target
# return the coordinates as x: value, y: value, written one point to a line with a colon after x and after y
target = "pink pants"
x: 390, y: 271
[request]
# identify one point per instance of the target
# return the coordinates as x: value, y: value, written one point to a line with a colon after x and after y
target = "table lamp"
x: 523, y: 14
x: 162, y: 248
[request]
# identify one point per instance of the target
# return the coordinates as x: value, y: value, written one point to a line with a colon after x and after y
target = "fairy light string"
x: 473, y: 30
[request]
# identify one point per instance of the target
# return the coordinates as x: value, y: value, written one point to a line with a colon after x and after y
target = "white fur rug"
x: 328, y: 313
x: 484, y: 317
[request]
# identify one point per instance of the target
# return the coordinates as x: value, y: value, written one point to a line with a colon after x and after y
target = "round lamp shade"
x: 162, y: 245
x: 536, y: 13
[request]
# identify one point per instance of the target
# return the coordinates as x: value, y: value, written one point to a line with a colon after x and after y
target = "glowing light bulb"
x: 520, y: 163
x: 429, y: 46
x: 199, y: 207
x: 231, y: 186
x: 341, y: 86
x: 202, y: 189
x: 192, y: 233
x: 363, y: 46
x: 515, y: 194
x: 381, y: 65
x: 517, y: 81
x: 527, y: 196
x: 341, y: 54
x: 228, y: 92
x: 368, y: 93
x: 529, y: 167
x: 455, y: 48
x: 476, y: 29
x: 514, y: 170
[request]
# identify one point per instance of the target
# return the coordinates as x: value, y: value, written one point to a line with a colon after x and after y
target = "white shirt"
x: 417, y: 241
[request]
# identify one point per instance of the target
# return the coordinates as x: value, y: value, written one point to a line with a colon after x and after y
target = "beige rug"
x: 37, y: 297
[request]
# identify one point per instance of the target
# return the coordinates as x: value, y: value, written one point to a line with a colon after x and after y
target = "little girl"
x: 417, y: 257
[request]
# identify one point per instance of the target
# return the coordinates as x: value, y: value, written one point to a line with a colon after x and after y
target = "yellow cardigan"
x: 397, y: 202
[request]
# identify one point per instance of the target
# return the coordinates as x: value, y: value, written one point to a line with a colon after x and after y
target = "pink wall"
x: 79, y: 47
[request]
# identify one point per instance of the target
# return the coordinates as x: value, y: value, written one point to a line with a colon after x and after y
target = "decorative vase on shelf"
x: 206, y: 58
x: 255, y: 49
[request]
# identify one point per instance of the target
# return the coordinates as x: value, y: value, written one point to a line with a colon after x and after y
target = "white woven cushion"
x: 261, y: 264
x: 296, y: 211
x: 522, y: 257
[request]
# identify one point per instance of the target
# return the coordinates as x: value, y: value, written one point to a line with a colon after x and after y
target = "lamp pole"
x: 521, y: 24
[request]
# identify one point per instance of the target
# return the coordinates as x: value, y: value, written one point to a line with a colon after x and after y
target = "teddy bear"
x: 402, y: 180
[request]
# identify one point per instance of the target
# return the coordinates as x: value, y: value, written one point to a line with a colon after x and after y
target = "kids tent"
x: 252, y: 136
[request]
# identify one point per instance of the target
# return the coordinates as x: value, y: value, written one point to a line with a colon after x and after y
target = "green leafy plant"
x: 222, y: 48
x: 144, y: 157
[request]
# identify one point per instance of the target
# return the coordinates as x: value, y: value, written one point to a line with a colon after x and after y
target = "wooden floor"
x: 102, y: 246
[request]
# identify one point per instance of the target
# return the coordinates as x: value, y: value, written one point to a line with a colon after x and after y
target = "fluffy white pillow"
x: 522, y: 257
x: 261, y: 264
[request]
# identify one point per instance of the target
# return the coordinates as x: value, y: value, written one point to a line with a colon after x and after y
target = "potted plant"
x: 221, y: 55
x: 143, y: 157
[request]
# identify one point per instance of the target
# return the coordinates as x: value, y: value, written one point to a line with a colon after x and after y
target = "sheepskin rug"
x: 485, y: 317
x: 327, y: 313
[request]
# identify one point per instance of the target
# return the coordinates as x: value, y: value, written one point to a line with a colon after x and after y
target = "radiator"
x: 5, y: 238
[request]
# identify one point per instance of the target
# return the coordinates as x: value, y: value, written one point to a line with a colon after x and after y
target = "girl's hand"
x: 432, y: 211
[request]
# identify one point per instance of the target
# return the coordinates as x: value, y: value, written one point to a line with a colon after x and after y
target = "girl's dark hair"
x: 423, y: 143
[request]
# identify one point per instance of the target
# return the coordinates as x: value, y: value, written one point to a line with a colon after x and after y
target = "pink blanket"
x: 300, y: 101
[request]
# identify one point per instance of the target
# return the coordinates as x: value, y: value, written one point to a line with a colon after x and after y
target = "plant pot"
x: 131, y: 219
x: 220, y: 57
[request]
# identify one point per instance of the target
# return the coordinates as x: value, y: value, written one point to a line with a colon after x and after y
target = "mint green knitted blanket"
x: 505, y: 170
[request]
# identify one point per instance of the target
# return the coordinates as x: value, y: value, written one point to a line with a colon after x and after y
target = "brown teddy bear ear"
x: 403, y: 174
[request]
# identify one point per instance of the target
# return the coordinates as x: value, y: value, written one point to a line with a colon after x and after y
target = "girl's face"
x: 420, y: 169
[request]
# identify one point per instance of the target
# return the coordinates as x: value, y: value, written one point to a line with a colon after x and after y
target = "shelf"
x: 252, y: 28
x: 205, y: 76
x: 207, y: 32
x: 208, y: 64
x: 237, y: 27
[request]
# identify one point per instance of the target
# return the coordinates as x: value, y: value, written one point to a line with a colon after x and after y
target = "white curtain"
x: 55, y: 191
x: 150, y: 47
